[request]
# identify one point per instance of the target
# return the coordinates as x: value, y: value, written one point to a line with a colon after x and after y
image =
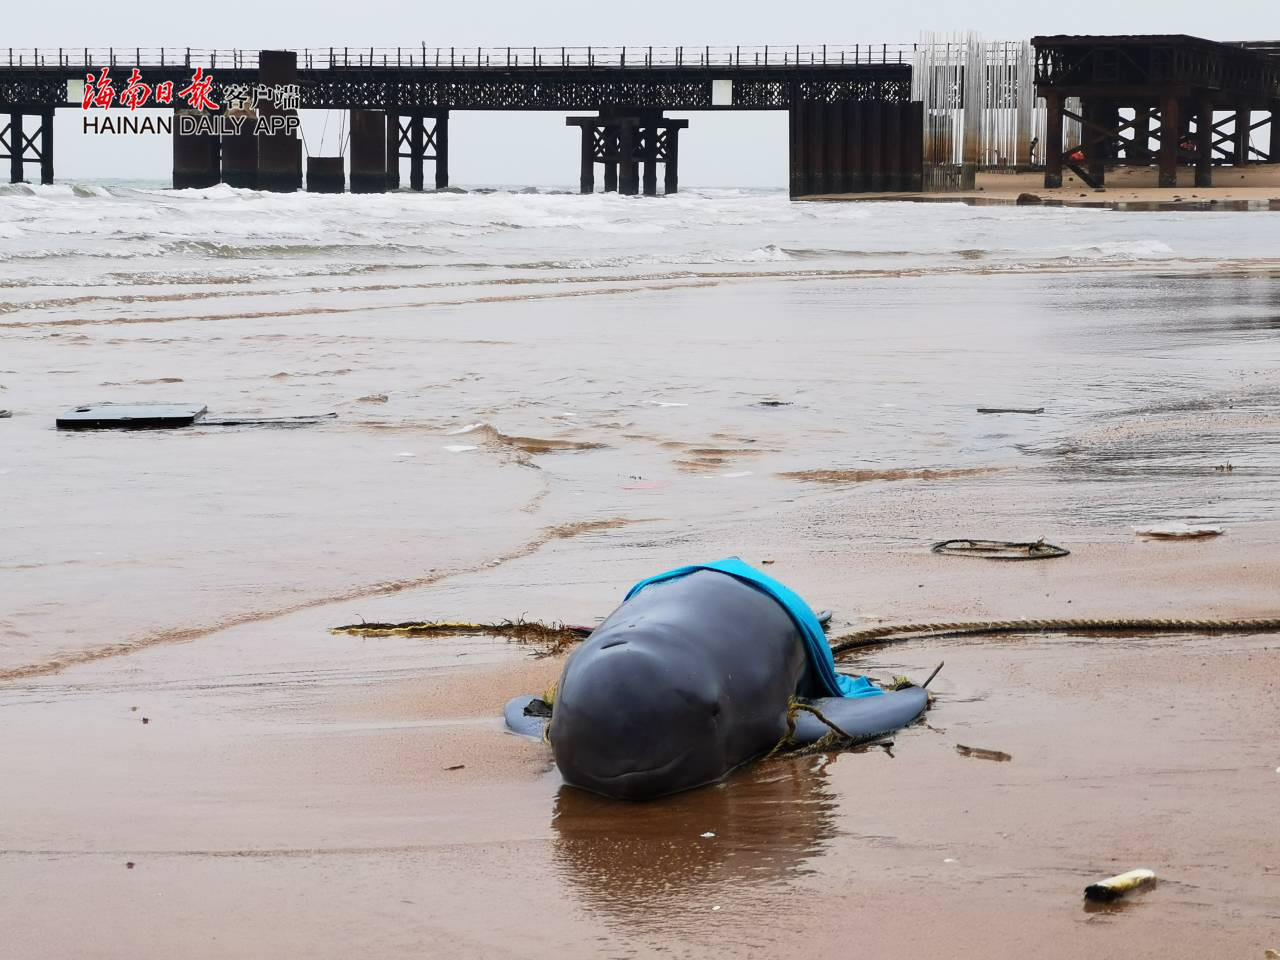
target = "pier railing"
x: 470, y: 58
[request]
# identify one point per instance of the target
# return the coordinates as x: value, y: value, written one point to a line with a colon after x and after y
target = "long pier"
x: 401, y: 100
x: 861, y: 118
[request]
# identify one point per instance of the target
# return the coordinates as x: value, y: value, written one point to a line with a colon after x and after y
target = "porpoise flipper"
x: 527, y: 716
x: 862, y: 718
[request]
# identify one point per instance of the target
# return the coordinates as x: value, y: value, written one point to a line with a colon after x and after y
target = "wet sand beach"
x: 1125, y: 188
x: 541, y: 400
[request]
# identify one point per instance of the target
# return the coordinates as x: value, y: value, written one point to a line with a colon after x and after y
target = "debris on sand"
x: 1179, y: 531
x: 130, y: 416
x: 903, y: 473
x: 1115, y: 887
x: 1011, y: 409
x: 167, y: 416
x: 1000, y: 549
x: 978, y: 753
x: 551, y: 638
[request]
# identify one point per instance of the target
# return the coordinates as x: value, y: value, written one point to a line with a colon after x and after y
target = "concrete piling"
x: 196, y: 157
x: 240, y: 153
x: 326, y: 174
x: 368, y: 151
x: 279, y: 158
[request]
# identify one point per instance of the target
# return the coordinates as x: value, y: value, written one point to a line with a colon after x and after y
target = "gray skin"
x: 688, y: 680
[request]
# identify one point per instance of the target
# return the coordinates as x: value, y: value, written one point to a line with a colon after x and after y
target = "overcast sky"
x: 723, y: 149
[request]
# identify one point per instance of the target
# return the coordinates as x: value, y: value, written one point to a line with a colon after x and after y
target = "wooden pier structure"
x: 851, y: 119
x: 1190, y: 102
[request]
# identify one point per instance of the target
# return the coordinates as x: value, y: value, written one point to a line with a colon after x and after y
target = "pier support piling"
x: 1100, y: 117
x: 368, y: 151
x: 240, y: 153
x: 326, y: 174
x: 861, y: 146
x: 279, y: 155
x: 46, y: 147
x: 611, y: 160
x: 671, y: 158
x: 1169, y: 141
x: 415, y: 152
x: 440, y: 141
x: 649, y: 159
x: 587, y: 159
x: 196, y: 157
x: 15, y: 143
x: 1204, y: 142
x: 630, y: 146
x: 1053, y: 141
x: 394, y: 137
x: 411, y: 137
x: 1241, y: 136
x: 628, y: 167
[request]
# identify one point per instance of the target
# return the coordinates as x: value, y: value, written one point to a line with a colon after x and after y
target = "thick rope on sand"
x: 896, y: 633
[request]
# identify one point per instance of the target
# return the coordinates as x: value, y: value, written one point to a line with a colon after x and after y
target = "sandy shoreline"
x: 712, y: 376
x: 1127, y: 188
x: 330, y: 791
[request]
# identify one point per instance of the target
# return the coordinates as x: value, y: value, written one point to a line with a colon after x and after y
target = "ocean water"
x: 508, y: 364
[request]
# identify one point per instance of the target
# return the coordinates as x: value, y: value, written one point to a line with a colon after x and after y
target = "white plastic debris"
x: 460, y: 447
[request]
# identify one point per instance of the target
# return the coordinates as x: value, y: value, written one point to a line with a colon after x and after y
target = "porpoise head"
x: 635, y: 718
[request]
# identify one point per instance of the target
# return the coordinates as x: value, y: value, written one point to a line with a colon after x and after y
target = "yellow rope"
x: 787, y: 745
x: 894, y: 633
